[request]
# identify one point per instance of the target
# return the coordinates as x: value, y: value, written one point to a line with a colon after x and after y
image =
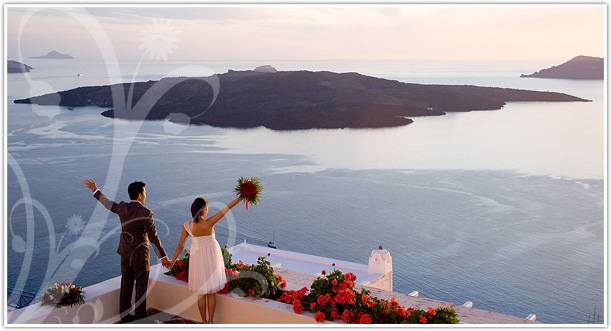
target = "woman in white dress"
x: 206, y: 266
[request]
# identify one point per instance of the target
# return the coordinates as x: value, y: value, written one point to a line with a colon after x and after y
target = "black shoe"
x: 127, y: 319
x: 141, y: 319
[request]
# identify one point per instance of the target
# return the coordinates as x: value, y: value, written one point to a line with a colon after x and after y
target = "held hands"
x: 90, y: 184
x: 166, y: 262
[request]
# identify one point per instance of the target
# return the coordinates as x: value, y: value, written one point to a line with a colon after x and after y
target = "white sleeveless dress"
x: 206, y: 266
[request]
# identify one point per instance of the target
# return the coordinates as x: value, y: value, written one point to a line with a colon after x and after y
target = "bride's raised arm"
x: 218, y: 216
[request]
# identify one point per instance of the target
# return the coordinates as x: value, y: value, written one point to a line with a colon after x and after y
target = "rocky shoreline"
x: 17, y: 67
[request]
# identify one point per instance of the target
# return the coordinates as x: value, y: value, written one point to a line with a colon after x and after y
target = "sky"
x: 308, y: 32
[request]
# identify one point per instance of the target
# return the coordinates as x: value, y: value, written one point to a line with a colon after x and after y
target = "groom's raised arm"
x: 109, y: 204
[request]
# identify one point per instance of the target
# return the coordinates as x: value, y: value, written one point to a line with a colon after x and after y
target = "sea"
x: 504, y: 208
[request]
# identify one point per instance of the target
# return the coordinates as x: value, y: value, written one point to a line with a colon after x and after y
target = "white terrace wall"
x: 172, y: 296
x: 101, y: 306
x: 166, y: 294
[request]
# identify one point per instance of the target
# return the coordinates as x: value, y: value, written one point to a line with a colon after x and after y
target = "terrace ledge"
x: 172, y: 296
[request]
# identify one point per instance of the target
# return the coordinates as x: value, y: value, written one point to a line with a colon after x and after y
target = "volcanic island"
x: 289, y: 100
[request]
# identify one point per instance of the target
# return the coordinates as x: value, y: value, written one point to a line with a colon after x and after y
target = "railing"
x: 19, y: 299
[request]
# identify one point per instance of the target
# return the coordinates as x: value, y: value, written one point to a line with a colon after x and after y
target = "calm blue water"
x: 502, y: 208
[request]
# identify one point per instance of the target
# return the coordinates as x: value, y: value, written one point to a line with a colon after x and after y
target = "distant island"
x: 292, y: 100
x: 53, y: 55
x: 579, y: 67
x: 265, y: 68
x: 16, y: 67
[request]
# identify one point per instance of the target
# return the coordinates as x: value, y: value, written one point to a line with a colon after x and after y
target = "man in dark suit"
x: 137, y: 229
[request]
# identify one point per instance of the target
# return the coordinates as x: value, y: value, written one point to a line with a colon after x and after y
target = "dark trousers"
x: 138, y: 272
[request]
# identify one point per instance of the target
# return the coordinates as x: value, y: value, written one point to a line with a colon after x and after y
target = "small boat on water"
x: 80, y: 75
x: 272, y: 244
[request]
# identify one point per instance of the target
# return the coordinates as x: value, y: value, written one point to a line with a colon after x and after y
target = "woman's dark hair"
x: 134, y: 189
x: 197, y: 207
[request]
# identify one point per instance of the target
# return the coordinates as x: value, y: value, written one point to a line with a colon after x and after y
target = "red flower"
x: 281, y: 281
x: 323, y: 272
x: 320, y: 316
x: 180, y: 263
x: 297, y: 307
x: 432, y: 311
x: 422, y: 319
x: 298, y: 295
x: 393, y: 302
x: 312, y: 305
x: 248, y: 190
x: 342, y: 287
x: 366, y: 298
x: 350, y: 276
x: 183, y: 275
x: 401, y: 312
x: 225, y: 290
x: 334, y: 282
x: 334, y: 313
x: 251, y: 293
x: 345, y: 297
x: 365, y: 319
x: 347, y: 316
x: 286, y: 297
x: 323, y: 299
x: 349, y: 283
x: 69, y: 300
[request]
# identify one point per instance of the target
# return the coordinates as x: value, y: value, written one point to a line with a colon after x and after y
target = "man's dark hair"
x: 134, y: 189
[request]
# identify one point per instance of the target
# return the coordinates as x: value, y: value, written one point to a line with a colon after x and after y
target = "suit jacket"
x: 137, y: 229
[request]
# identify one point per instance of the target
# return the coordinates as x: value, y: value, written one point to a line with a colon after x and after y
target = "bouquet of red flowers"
x: 249, y: 189
x: 64, y: 294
